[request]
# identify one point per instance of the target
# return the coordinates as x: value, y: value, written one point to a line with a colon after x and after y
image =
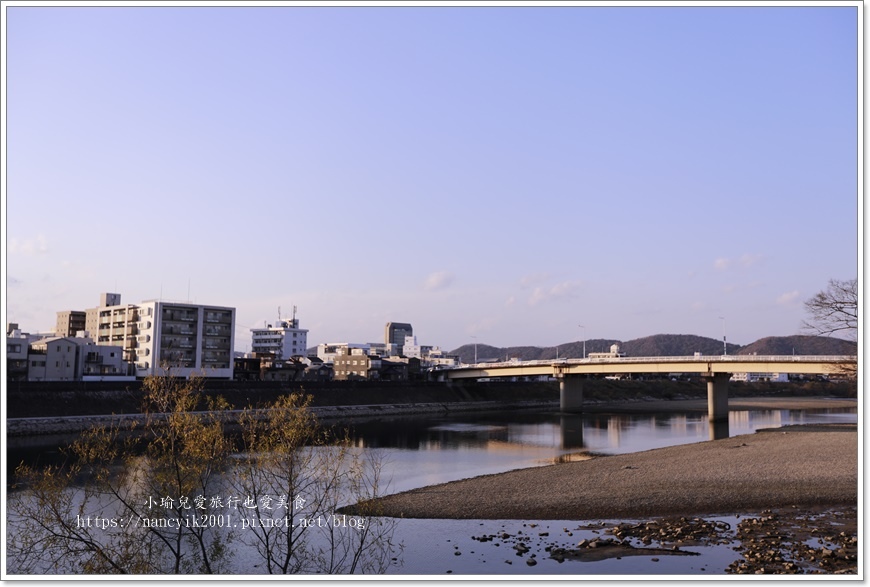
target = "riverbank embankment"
x: 26, y: 427
x: 798, y: 466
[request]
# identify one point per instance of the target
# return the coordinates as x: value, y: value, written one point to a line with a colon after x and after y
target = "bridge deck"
x: 705, y: 365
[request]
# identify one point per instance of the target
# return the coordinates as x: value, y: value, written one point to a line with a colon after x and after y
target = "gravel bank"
x: 795, y: 466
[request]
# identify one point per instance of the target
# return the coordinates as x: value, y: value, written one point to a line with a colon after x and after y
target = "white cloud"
x: 31, y: 246
x: 566, y: 289
x: 789, y: 298
x: 438, y: 280
x: 745, y: 260
x: 510, y: 301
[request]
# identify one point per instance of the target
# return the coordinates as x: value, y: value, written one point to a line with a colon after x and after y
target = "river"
x: 421, y: 451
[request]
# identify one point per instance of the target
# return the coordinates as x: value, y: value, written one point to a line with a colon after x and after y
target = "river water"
x: 426, y: 451
x: 421, y: 451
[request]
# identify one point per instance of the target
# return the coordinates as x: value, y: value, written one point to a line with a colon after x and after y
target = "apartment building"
x: 70, y: 322
x: 69, y: 358
x: 355, y: 364
x: 185, y: 339
x: 114, y: 324
x: 160, y: 336
x: 283, y: 340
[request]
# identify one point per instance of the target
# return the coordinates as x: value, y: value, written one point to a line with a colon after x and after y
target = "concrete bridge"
x: 716, y: 370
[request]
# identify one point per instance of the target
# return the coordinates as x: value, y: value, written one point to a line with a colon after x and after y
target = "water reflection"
x: 425, y: 450
x: 611, y: 433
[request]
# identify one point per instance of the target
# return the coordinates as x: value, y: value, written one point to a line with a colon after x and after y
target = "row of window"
x: 42, y: 364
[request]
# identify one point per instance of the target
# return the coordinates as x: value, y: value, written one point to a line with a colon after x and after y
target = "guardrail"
x: 686, y: 359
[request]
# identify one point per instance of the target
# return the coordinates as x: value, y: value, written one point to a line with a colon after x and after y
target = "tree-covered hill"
x: 662, y: 345
x: 800, y: 345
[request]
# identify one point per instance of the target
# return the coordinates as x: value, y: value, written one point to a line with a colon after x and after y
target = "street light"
x: 724, y: 340
x: 475, y: 349
x: 584, y: 339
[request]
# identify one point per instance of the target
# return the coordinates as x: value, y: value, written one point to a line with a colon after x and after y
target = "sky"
x: 499, y: 175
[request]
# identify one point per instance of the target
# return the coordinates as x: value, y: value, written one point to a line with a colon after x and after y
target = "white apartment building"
x: 283, y: 340
x: 185, y: 339
x: 160, y: 337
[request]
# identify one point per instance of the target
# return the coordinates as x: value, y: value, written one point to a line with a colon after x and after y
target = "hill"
x: 800, y: 345
x: 662, y: 345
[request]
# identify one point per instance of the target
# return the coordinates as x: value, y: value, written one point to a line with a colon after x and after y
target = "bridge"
x: 715, y: 369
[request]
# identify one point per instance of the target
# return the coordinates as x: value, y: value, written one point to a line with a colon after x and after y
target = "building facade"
x: 69, y: 358
x: 160, y: 337
x: 395, y: 333
x: 70, y: 322
x: 17, y: 345
x: 283, y: 340
x: 355, y: 365
x: 185, y: 339
x: 114, y: 324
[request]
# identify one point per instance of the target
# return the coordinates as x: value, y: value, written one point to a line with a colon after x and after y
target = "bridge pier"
x: 571, y: 393
x: 717, y: 396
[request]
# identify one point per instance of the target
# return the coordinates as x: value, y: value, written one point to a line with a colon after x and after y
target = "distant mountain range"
x: 664, y: 345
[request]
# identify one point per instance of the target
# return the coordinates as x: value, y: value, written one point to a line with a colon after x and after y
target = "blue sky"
x: 499, y: 175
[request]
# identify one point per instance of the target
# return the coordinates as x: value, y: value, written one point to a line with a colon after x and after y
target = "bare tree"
x: 286, y: 453
x: 146, y: 499
x: 834, y: 310
x: 102, y: 513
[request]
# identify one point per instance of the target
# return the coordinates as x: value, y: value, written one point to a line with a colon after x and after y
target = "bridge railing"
x: 685, y: 359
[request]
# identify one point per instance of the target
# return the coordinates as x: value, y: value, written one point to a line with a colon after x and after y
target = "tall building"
x: 185, y: 339
x: 395, y: 333
x: 70, y: 322
x: 159, y: 337
x: 114, y: 324
x: 283, y: 340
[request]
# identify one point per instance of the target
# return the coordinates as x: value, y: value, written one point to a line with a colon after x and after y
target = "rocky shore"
x: 793, y: 494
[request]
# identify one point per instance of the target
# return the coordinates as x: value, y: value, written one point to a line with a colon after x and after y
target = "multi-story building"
x: 114, y: 324
x: 53, y: 359
x: 355, y: 364
x: 159, y: 336
x: 17, y: 345
x: 70, y: 358
x: 328, y: 351
x: 395, y: 333
x: 101, y: 362
x: 185, y: 339
x: 283, y: 340
x: 70, y: 322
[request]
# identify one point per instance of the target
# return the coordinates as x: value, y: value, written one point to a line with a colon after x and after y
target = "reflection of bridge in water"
x: 575, y: 428
x: 716, y: 370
